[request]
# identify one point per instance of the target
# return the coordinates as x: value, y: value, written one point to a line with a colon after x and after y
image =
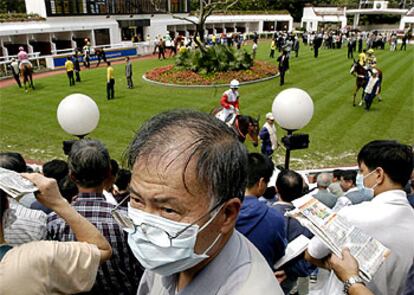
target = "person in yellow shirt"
x: 69, y: 70
x: 272, y: 49
x: 110, y: 82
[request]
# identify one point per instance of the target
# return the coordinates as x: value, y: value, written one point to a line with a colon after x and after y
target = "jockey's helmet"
x: 371, y: 51
x: 234, y: 84
x: 21, y: 48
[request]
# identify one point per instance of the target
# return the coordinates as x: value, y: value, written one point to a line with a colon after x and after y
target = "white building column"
x: 93, y: 41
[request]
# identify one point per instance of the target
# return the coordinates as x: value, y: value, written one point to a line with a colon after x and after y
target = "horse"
x: 26, y: 75
x: 244, y: 125
x: 361, y: 75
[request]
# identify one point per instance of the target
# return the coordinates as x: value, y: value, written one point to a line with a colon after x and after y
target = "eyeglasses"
x: 152, y: 233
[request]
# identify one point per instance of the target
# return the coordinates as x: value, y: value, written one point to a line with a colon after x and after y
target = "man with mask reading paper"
x: 188, y: 182
x: 384, y: 168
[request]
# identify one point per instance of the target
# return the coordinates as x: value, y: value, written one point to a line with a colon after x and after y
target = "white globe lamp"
x: 293, y: 109
x: 78, y: 114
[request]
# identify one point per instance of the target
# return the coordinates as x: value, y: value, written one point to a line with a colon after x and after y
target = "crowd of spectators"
x: 195, y: 213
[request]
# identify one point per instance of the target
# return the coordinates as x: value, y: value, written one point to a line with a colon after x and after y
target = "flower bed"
x: 170, y: 75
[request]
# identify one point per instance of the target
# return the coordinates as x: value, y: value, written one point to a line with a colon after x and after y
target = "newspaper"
x: 336, y: 233
x: 15, y: 185
x: 293, y: 250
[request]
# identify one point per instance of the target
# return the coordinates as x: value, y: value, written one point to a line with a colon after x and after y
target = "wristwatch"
x: 351, y: 281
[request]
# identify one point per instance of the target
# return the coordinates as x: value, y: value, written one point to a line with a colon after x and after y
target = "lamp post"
x: 78, y: 115
x: 293, y: 109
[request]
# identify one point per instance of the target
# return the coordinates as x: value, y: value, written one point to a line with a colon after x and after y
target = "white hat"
x: 234, y: 84
x: 269, y: 116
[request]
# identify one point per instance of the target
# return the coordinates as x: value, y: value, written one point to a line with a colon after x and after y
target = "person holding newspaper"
x: 384, y: 168
x: 345, y: 269
x: 46, y: 267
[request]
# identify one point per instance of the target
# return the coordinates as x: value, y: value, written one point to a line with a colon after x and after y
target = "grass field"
x: 337, y: 131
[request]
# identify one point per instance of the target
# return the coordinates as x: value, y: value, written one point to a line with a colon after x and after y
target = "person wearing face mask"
x: 385, y: 167
x: 186, y: 192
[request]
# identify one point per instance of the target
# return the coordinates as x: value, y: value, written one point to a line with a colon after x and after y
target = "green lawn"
x: 337, y: 131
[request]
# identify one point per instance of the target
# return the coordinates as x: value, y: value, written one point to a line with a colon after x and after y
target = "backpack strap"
x: 3, y: 250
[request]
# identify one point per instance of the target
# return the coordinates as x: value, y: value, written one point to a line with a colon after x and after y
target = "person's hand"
x: 346, y: 267
x: 48, y: 193
x: 280, y: 276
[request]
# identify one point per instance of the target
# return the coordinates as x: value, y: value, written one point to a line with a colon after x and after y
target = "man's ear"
x: 381, y: 176
x: 231, y: 213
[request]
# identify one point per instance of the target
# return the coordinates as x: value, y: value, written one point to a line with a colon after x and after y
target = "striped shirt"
x: 122, y: 273
x: 23, y: 225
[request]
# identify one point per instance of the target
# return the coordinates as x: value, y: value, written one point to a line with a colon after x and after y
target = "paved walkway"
x: 10, y: 81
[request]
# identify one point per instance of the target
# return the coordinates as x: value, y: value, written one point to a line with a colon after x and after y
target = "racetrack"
x: 337, y: 131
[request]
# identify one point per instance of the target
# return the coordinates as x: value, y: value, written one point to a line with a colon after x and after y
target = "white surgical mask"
x: 368, y: 191
x: 154, y: 248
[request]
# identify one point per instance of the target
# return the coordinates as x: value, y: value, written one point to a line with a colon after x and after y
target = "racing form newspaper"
x: 15, y: 185
x: 336, y: 233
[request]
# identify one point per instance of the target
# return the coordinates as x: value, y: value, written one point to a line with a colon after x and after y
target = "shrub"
x: 218, y: 58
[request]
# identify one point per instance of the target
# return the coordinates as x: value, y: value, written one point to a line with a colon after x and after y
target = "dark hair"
x: 114, y: 167
x: 289, y: 185
x: 337, y: 173
x: 108, y: 63
x: 89, y: 163
x: 68, y: 57
x: 56, y: 169
x: 349, y: 175
x: 258, y: 166
x: 220, y: 159
x: 123, y: 179
x: 68, y: 188
x: 394, y: 158
x: 13, y: 161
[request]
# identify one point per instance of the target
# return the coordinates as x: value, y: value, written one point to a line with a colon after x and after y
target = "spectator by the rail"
x: 14, y: 68
x: 56, y: 169
x: 261, y: 224
x: 68, y: 188
x: 289, y: 185
x: 49, y: 267
x: 385, y: 166
x: 21, y: 225
x: 109, y: 182
x: 351, y: 191
x: 335, y: 186
x: 190, y: 184
x: 89, y: 168
x: 323, y: 180
x: 120, y: 188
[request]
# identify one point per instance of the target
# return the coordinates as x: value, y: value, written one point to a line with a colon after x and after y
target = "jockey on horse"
x: 23, y: 58
x: 25, y: 67
x: 230, y: 103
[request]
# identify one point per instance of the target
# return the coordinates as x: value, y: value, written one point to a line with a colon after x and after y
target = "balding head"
x: 323, y: 180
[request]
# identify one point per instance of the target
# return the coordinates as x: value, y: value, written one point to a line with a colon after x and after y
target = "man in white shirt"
x: 385, y: 167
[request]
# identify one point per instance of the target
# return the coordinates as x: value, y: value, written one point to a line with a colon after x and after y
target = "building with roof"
x: 65, y: 24
x: 407, y: 20
x: 316, y: 17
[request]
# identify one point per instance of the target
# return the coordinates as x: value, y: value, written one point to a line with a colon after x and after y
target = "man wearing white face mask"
x: 385, y: 167
x: 186, y: 192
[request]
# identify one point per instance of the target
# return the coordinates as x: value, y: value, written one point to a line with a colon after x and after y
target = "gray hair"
x: 89, y: 163
x: 220, y: 159
x: 324, y: 180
